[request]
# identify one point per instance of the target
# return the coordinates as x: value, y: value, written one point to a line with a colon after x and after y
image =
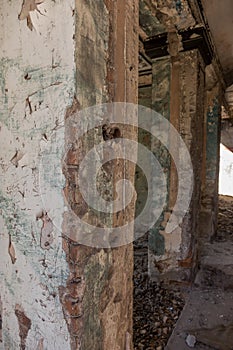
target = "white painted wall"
x: 37, y: 85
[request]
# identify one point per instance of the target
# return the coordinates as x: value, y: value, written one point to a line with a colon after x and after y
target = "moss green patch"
x: 19, y: 227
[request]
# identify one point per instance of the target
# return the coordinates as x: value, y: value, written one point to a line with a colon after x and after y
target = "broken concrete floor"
x: 206, y: 321
x: 207, y: 316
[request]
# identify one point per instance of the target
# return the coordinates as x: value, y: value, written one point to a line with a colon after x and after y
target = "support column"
x: 173, y: 256
x: 161, y: 83
x: 212, y: 134
x: 107, y: 71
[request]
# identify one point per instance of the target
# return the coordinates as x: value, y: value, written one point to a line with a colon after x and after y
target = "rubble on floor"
x: 156, y: 310
x: 208, y: 312
x: 206, y: 320
x: 207, y: 315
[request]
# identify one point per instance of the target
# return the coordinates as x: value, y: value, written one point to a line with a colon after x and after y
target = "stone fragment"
x: 191, y: 340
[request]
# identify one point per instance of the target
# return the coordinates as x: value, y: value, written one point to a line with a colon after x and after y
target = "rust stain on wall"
x: 24, y: 325
x: 73, y: 108
x: 46, y: 237
x: 72, y: 295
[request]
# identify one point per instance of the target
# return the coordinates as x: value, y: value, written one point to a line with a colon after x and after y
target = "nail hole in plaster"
x: 75, y: 280
x: 44, y: 137
x: 27, y: 77
x: 110, y: 132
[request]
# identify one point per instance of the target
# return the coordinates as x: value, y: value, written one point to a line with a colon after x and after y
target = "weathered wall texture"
x: 160, y: 16
x: 190, y: 98
x: 191, y: 130
x: 37, y: 85
x: 212, y: 130
x: 106, y: 62
x: 181, y: 100
x: 178, y: 94
x: 161, y: 75
x: 57, y: 59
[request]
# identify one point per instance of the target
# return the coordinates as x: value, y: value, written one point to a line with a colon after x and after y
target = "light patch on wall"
x: 27, y: 7
x: 226, y: 171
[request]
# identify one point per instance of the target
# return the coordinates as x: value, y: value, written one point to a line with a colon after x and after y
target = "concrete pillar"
x: 212, y: 134
x: 178, y: 94
x: 106, y: 64
x: 161, y: 80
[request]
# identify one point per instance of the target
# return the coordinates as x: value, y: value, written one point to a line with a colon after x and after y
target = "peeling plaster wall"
x: 98, y: 304
x: 57, y: 58
x: 173, y: 94
x: 212, y: 131
x: 178, y: 94
x: 161, y: 79
x: 190, y: 98
x: 37, y: 85
x: 141, y: 185
x: 160, y: 16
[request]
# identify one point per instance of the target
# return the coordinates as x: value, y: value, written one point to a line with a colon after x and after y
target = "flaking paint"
x: 37, y: 85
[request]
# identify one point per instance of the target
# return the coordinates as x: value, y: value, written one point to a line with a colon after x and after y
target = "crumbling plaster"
x: 37, y: 86
x: 59, y: 57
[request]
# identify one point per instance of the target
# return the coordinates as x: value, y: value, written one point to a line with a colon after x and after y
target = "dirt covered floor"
x: 156, y: 311
x: 161, y: 321
x: 206, y: 321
